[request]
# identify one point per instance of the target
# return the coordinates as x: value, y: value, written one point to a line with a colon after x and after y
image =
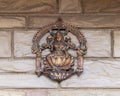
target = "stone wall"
x: 99, y: 20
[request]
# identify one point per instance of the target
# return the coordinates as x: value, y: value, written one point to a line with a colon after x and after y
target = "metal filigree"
x: 59, y: 63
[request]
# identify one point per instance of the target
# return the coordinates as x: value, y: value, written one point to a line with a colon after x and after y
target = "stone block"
x: 82, y: 21
x: 96, y: 74
x: 101, y: 6
x: 28, y: 6
x: 17, y: 66
x: 98, y: 43
x: 116, y: 44
x: 23, y: 43
x: 5, y: 44
x: 85, y: 92
x: 25, y: 81
x: 12, y: 22
x: 70, y: 6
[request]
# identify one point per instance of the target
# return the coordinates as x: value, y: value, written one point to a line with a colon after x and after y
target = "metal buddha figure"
x: 59, y: 64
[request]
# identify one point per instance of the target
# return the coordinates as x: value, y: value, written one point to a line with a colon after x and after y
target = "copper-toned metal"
x: 59, y: 64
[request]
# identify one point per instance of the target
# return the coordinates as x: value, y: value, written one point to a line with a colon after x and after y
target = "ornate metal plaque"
x: 59, y: 64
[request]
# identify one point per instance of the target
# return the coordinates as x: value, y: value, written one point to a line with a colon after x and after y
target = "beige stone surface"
x: 25, y: 81
x: 23, y: 43
x: 5, y: 44
x: 98, y: 43
x: 116, y: 43
x: 11, y: 93
x: 17, y: 66
x: 101, y: 6
x: 97, y: 74
x: 59, y: 92
x: 86, y: 92
x: 12, y: 22
x: 96, y: 48
x: 94, y: 21
x: 26, y: 6
x: 82, y: 21
x: 37, y: 92
x: 70, y: 6
x: 41, y: 21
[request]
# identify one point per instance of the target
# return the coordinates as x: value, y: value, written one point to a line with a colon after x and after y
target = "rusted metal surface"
x: 59, y: 64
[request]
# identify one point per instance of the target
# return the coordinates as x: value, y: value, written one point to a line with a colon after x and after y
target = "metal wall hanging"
x: 59, y: 64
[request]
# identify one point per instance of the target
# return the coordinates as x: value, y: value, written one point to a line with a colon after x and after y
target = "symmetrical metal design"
x: 59, y: 64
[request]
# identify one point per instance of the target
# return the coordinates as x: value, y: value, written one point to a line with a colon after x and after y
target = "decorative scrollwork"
x: 59, y: 64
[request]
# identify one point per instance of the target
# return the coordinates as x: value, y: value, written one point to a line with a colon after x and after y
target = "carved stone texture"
x: 97, y: 74
x: 5, y: 44
x: 12, y: 22
x: 101, y: 6
x: 85, y: 92
x: 17, y: 66
x: 37, y: 92
x: 12, y: 93
x: 97, y: 48
x: 20, y: 43
x: 82, y: 21
x: 59, y: 63
x: 70, y: 6
x: 25, y: 81
x: 26, y: 6
x: 116, y: 43
x: 91, y: 35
